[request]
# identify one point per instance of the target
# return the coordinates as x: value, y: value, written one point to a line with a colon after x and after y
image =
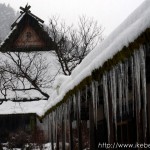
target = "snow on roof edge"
x: 127, y: 23
x: 136, y: 23
x: 9, y: 107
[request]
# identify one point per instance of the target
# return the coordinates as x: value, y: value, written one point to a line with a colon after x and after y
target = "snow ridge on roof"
x: 132, y: 21
x: 126, y: 33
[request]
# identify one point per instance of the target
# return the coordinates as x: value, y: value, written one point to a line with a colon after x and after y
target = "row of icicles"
x: 115, y: 85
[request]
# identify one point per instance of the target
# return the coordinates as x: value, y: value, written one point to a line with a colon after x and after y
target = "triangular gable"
x: 27, y: 34
x: 28, y: 38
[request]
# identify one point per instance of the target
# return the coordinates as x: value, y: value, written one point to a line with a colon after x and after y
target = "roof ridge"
x: 26, y: 10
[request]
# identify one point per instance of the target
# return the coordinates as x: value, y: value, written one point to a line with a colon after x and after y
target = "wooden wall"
x: 27, y: 38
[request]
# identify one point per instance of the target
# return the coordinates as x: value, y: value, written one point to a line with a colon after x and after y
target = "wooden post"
x: 52, y: 140
x: 71, y: 135
x: 57, y: 142
x: 79, y: 126
x: 48, y: 129
x: 111, y: 124
x: 148, y: 106
x: 63, y: 135
x: 92, y: 127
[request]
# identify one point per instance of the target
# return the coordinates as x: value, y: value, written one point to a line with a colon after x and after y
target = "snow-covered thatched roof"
x: 119, y: 45
x: 22, y: 107
x: 30, y: 101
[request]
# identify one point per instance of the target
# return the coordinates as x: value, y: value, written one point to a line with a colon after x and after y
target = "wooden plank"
x: 57, y: 142
x: 148, y: 106
x: 92, y: 134
x: 111, y: 124
x: 71, y: 132
x: 63, y: 135
x: 52, y: 140
x: 79, y: 126
x: 28, y: 38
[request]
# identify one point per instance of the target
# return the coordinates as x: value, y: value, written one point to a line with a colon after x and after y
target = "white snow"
x: 127, y: 32
x: 46, y: 146
x: 60, y: 79
x: 22, y: 107
x: 28, y: 107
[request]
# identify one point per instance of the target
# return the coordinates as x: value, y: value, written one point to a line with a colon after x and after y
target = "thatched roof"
x: 27, y: 21
x: 127, y: 38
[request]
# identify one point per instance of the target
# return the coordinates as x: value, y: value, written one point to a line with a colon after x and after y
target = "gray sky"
x: 109, y: 13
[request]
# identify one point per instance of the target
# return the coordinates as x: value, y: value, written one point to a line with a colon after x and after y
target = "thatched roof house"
x: 19, y: 109
x: 27, y: 34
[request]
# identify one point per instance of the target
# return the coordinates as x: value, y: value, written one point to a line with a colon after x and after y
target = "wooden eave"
x: 96, y: 74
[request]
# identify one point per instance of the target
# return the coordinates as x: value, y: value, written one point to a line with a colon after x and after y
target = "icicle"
x: 120, y: 89
x: 123, y: 87
x: 65, y: 121
x: 59, y: 109
x: 69, y: 107
x: 143, y: 80
x: 97, y: 101
x: 137, y: 81
x: 126, y: 87
x: 86, y: 95
x: 74, y: 105
x: 60, y: 121
x: 79, y: 103
x: 49, y: 128
x: 68, y: 115
x: 63, y: 126
x: 93, y: 99
x: 137, y: 90
x: 106, y: 105
x: 53, y: 125
x: 113, y: 92
x: 133, y: 84
x: 56, y: 125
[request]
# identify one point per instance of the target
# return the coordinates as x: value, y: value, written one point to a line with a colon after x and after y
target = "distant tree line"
x: 7, y: 17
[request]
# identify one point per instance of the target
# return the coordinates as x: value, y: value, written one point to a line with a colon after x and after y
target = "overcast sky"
x: 109, y: 13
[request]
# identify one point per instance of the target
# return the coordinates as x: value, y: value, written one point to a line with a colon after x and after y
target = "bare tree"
x: 30, y: 71
x: 24, y: 72
x: 74, y: 44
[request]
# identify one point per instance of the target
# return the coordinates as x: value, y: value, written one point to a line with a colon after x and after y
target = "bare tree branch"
x: 74, y: 44
x: 24, y: 71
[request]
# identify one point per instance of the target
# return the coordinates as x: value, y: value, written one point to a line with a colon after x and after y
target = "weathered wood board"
x: 28, y: 38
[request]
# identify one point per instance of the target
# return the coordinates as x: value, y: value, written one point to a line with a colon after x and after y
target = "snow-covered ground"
x: 46, y: 146
x: 126, y: 33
